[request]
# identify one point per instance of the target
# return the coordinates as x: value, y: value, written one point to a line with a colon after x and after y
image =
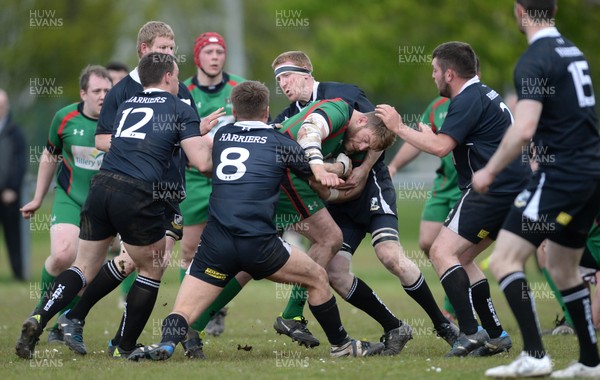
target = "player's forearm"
x: 103, y: 142
x: 370, y: 159
x: 429, y: 143
x: 406, y: 154
x: 337, y: 168
x: 46, y: 172
x: 511, y: 146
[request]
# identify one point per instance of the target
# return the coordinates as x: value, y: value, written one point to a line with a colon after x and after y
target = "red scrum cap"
x: 207, y: 39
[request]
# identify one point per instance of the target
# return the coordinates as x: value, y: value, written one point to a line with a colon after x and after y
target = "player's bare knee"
x: 425, y: 245
x: 124, y: 264
x: 62, y: 258
x: 496, y: 266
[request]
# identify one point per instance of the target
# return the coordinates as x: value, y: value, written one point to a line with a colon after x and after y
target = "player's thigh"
x: 191, y: 238
x: 194, y: 296
x: 428, y: 231
x: 149, y: 259
x: 446, y: 249
x: 320, y: 227
x: 300, y: 269
x: 64, y: 240
x: 91, y: 256
x: 510, y: 253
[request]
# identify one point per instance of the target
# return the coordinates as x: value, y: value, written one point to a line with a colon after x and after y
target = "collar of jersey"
x: 153, y: 89
x: 543, y: 33
x: 252, y: 124
x: 135, y: 75
x: 313, y: 97
x: 471, y: 81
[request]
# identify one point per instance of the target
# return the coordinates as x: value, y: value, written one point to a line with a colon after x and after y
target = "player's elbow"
x: 525, y: 133
x: 441, y: 151
x: 102, y: 142
x: 204, y: 166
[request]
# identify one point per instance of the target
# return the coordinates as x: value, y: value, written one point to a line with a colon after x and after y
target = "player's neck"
x: 87, y: 112
x: 208, y: 81
x: 530, y: 31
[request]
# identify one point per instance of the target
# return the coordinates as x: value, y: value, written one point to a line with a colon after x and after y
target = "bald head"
x: 4, y: 105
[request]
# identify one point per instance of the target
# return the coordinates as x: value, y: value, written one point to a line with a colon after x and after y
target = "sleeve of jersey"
x: 295, y: 160
x: 54, y: 144
x: 313, y: 127
x: 281, y: 117
x: 462, y: 118
x: 186, y: 96
x: 530, y: 80
x: 363, y: 104
x: 108, y: 114
x: 189, y: 125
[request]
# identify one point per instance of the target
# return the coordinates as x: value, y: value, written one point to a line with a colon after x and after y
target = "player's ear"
x: 82, y: 94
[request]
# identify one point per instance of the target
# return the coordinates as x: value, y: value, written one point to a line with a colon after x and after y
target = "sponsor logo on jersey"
x: 86, y: 157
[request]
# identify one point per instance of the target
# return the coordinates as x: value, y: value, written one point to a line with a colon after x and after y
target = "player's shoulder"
x: 235, y: 79
x: 332, y: 86
x: 67, y: 110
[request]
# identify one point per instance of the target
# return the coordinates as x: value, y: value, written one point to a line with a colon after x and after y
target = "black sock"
x: 62, y: 291
x: 420, y: 292
x: 174, y: 329
x: 105, y: 282
x: 577, y: 301
x: 457, y: 286
x: 328, y: 316
x: 365, y: 298
x: 482, y: 302
x: 516, y: 290
x: 138, y: 307
x: 117, y: 339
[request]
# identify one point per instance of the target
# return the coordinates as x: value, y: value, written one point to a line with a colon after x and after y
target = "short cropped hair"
x: 458, y: 56
x: 97, y: 70
x: 150, y: 30
x: 539, y: 10
x: 117, y: 66
x: 385, y: 137
x: 298, y: 58
x: 250, y: 99
x: 153, y: 67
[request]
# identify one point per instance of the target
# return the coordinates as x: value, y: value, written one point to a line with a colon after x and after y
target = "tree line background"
x: 383, y: 46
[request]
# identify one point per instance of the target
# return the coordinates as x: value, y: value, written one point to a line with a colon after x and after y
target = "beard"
x: 445, y: 90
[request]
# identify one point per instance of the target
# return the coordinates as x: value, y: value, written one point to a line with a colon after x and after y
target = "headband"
x: 290, y: 68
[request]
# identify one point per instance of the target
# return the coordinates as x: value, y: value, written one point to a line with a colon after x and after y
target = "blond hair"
x: 298, y: 58
x: 385, y: 137
x: 149, y: 31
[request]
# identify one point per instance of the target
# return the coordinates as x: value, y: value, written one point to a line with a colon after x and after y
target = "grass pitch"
x: 249, y: 324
